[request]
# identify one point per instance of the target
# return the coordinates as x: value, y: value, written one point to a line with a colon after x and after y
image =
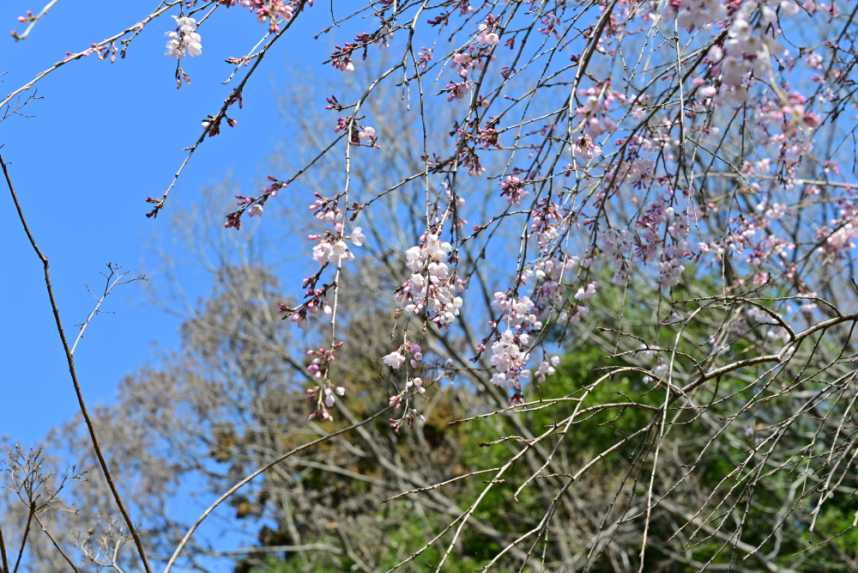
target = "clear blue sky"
x: 103, y: 139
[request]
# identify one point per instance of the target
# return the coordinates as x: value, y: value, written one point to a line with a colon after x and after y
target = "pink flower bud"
x: 811, y: 120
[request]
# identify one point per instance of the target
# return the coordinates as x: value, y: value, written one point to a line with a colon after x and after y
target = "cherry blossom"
x: 394, y: 360
x: 332, y: 251
x: 184, y: 39
x: 616, y: 184
x: 357, y: 236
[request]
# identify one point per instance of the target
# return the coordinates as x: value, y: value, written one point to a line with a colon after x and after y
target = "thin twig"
x: 63, y: 553
x: 259, y: 472
x: 26, y: 533
x: 73, y: 372
x: 5, y: 564
x: 33, y: 20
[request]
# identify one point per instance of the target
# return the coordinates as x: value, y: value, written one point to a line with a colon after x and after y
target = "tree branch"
x: 73, y: 372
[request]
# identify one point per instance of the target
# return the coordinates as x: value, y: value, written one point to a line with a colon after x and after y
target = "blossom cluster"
x: 433, y: 287
x: 749, y: 48
x: 610, y: 172
x: 407, y: 352
x: 184, y: 39
x: 323, y: 395
x: 269, y: 12
x: 331, y: 247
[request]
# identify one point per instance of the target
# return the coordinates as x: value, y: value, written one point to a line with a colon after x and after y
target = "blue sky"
x: 103, y: 139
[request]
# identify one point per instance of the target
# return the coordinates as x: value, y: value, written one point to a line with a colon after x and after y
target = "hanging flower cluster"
x: 184, y: 40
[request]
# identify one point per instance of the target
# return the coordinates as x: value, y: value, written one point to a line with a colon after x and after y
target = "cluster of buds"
x: 316, y: 306
x: 333, y: 104
x: 513, y: 189
x: 324, y: 395
x: 242, y: 61
x: 573, y: 314
x: 322, y: 414
x: 233, y: 221
x: 546, y: 221
x: 326, y: 210
x: 488, y: 134
x: 343, y: 62
x: 458, y: 90
x: 660, y: 368
x: 550, y: 21
x: 254, y: 209
x: 414, y: 385
x: 332, y: 247
x: 212, y: 123
x: 271, y: 12
x: 253, y: 205
x: 267, y: 11
x: 473, y: 58
x: 328, y: 390
x: 441, y: 20
x: 359, y: 135
x: 26, y: 20
x: 597, y: 104
x: 423, y: 58
x: 487, y: 35
x: 276, y: 185
x: 323, y: 359
x: 408, y: 418
x: 585, y: 293
x: 341, y: 58
x: 469, y: 159
x: 102, y: 51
